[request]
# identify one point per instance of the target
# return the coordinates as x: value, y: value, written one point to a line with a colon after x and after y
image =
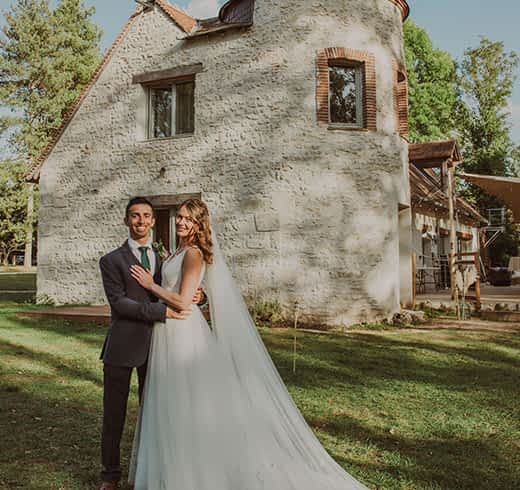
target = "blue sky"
x: 451, y: 24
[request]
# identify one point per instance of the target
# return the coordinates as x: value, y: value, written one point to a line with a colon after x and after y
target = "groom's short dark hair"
x: 138, y: 200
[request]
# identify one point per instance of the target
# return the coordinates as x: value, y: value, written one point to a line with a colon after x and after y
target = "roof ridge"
x: 185, y: 21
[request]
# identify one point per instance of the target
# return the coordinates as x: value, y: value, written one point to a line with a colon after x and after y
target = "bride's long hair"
x: 200, y: 235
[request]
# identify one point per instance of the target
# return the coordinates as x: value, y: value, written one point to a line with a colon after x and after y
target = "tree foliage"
x: 469, y: 101
x: 13, y: 209
x: 486, y: 78
x: 432, y: 88
x: 46, y: 58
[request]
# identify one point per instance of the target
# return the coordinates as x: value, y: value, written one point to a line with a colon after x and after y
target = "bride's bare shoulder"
x: 193, y: 254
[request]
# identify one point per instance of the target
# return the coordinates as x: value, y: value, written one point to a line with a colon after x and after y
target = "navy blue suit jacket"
x: 133, y: 309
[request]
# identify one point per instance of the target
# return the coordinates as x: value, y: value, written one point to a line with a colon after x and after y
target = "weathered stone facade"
x: 305, y: 213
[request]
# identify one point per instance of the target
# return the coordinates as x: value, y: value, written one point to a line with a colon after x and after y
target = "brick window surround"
x: 324, y: 59
x: 401, y: 98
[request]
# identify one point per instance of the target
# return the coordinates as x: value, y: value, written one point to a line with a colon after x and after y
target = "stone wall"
x: 305, y: 213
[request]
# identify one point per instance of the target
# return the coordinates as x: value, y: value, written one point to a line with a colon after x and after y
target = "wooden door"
x: 162, y: 227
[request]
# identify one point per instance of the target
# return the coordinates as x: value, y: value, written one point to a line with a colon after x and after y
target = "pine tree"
x: 46, y: 58
x: 13, y: 223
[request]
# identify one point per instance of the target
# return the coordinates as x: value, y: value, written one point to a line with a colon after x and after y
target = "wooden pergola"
x: 432, y: 172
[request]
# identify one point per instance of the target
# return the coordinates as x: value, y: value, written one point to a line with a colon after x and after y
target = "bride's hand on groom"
x: 142, y: 276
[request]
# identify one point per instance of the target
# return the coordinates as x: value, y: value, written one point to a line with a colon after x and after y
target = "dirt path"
x: 473, y: 324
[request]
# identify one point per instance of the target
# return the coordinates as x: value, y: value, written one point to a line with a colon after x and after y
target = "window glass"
x: 161, y: 112
x: 343, y: 95
x: 184, y: 117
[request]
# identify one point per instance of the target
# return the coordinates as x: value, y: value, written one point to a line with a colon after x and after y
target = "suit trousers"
x: 116, y: 387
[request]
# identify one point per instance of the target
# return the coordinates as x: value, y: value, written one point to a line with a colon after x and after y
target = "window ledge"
x: 168, y: 138
x: 346, y: 127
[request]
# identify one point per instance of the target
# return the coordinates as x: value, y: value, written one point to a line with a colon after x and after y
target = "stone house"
x: 288, y: 117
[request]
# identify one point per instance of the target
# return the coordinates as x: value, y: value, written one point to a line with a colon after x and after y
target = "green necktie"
x: 145, y: 262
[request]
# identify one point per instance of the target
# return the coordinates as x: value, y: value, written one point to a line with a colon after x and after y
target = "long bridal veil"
x: 269, y: 427
x: 216, y: 415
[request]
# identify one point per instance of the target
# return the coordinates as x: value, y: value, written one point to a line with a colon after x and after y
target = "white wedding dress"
x: 215, y: 413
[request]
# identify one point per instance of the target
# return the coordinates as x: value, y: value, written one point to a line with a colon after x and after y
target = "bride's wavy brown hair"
x: 200, y: 235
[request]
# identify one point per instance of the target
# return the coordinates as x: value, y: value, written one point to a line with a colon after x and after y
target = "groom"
x: 133, y: 313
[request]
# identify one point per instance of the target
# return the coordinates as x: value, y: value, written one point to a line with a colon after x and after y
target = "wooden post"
x: 27, y: 261
x: 477, y: 282
x: 414, y: 274
x: 453, y: 235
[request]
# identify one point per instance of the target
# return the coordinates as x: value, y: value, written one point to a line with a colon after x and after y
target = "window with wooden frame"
x: 346, y: 93
x: 170, y: 101
x: 171, y: 106
x: 346, y: 89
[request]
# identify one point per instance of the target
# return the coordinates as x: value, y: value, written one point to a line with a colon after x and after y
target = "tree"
x: 432, y: 88
x: 46, y: 58
x: 486, y: 77
x: 13, y: 205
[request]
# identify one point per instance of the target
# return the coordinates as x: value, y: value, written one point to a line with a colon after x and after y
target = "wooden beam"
x: 429, y: 163
x: 414, y: 273
x: 177, y: 72
x: 171, y: 200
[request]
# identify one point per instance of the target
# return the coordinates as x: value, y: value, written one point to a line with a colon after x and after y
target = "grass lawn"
x: 399, y: 409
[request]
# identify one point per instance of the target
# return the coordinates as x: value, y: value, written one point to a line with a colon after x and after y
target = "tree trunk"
x: 28, y: 239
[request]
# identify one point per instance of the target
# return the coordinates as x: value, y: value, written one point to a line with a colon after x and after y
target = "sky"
x: 452, y: 25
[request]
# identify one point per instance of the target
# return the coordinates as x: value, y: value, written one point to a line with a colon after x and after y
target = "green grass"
x: 399, y: 409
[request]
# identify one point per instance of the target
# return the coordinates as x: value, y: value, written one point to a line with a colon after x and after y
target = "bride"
x: 215, y: 413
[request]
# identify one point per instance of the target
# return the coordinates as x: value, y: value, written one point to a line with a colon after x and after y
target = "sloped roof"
x: 433, y: 153
x: 233, y: 14
x: 183, y: 20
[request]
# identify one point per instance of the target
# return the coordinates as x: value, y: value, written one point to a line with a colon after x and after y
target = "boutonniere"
x: 160, y: 249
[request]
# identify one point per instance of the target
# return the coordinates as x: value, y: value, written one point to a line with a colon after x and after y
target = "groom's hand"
x: 199, y: 298
x: 177, y: 315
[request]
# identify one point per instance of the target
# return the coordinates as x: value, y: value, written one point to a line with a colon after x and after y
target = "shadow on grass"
x: 61, y: 365
x: 470, y: 464
x: 366, y: 358
x: 50, y: 441
x: 91, y: 334
x: 61, y: 427
x: 468, y: 378
x: 50, y: 421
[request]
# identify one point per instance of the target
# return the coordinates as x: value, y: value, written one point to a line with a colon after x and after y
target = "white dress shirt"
x: 134, y: 247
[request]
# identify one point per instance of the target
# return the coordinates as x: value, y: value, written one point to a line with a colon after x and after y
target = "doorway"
x: 165, y: 207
